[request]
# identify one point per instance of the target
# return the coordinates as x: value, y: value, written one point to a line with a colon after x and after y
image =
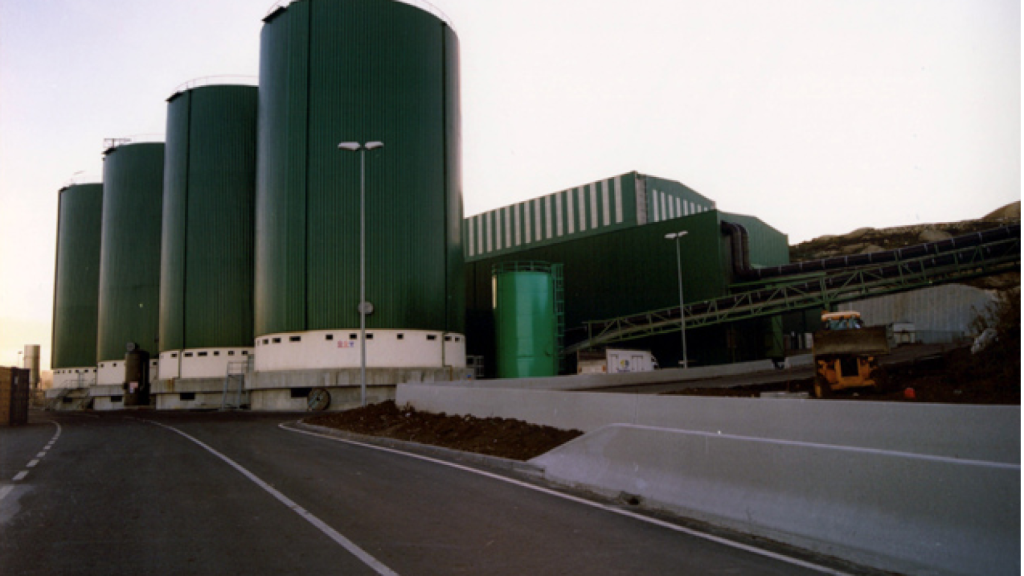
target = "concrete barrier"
x: 890, y: 510
x: 990, y: 433
x: 919, y: 488
x: 596, y: 381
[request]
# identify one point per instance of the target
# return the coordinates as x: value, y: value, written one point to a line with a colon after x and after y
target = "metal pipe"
x: 362, y: 276
x: 682, y: 305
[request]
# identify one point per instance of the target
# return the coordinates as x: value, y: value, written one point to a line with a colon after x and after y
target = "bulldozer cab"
x: 846, y: 353
x: 846, y: 320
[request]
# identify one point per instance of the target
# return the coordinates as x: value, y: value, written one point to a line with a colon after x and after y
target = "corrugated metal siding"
x: 768, y: 246
x: 668, y: 199
x: 206, y: 293
x: 630, y: 271
x: 939, y: 313
x: 76, y: 286
x: 174, y: 224
x: 358, y: 71
x: 130, y: 249
x: 280, y: 272
x: 455, y: 259
x: 582, y: 211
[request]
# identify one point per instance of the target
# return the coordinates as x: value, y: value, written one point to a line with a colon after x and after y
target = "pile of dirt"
x: 502, y: 437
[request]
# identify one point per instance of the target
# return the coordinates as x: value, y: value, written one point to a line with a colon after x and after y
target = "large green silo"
x: 77, y: 276
x: 130, y: 249
x: 526, y: 328
x: 207, y: 245
x: 358, y: 70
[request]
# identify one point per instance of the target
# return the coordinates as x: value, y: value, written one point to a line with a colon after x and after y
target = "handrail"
x: 112, y: 143
x: 81, y: 177
x: 216, y: 80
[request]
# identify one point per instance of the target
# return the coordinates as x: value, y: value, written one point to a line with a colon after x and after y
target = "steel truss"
x: 823, y: 291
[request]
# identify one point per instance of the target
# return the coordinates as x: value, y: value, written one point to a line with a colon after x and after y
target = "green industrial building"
x: 609, y: 238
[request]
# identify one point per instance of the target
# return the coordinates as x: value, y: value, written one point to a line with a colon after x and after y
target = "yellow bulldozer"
x: 846, y: 353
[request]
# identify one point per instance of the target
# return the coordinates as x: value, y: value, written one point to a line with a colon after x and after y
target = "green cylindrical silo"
x: 76, y: 284
x: 524, y: 320
x: 358, y: 70
x: 129, y: 284
x: 206, y: 270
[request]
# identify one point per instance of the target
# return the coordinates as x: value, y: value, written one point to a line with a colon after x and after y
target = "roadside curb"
x: 439, y: 452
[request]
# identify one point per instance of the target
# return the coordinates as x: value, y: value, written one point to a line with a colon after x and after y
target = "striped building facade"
x: 622, y: 201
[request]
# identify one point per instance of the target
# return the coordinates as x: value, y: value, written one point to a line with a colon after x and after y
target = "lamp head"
x: 355, y: 146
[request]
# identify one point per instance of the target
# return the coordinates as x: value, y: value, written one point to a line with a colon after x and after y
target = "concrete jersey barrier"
x: 919, y: 488
x: 990, y: 433
x: 890, y: 510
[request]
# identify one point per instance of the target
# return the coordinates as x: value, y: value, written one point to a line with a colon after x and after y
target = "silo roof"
x: 421, y: 4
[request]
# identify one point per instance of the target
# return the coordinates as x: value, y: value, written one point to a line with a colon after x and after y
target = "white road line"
x: 5, y: 491
x: 642, y: 518
x: 331, y: 533
x: 854, y: 449
x: 20, y: 476
x: 32, y: 464
x: 41, y: 454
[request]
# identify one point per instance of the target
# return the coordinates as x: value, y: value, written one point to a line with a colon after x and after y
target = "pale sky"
x: 817, y: 116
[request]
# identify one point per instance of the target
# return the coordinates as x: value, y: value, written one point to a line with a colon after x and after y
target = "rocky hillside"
x: 866, y: 240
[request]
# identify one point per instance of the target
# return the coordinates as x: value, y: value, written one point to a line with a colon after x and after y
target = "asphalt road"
x: 208, y: 493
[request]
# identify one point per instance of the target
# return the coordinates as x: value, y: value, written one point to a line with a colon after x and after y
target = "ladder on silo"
x: 559, y: 282
x: 234, y: 380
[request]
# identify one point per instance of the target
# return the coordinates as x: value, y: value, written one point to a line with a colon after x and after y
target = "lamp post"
x: 364, y: 306
x: 682, y: 311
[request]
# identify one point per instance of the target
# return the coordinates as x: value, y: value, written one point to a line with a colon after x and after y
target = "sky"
x: 817, y: 116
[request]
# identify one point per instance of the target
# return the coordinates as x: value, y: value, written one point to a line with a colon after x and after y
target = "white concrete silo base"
x: 288, y: 390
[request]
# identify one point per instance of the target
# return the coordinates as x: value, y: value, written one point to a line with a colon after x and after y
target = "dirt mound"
x: 502, y: 437
x: 1009, y: 212
x: 867, y: 240
x: 864, y: 240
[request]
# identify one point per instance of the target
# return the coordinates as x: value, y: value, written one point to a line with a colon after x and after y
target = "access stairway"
x: 821, y: 284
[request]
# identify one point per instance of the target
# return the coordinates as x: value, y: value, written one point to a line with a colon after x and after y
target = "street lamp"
x: 364, y: 306
x: 682, y: 311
